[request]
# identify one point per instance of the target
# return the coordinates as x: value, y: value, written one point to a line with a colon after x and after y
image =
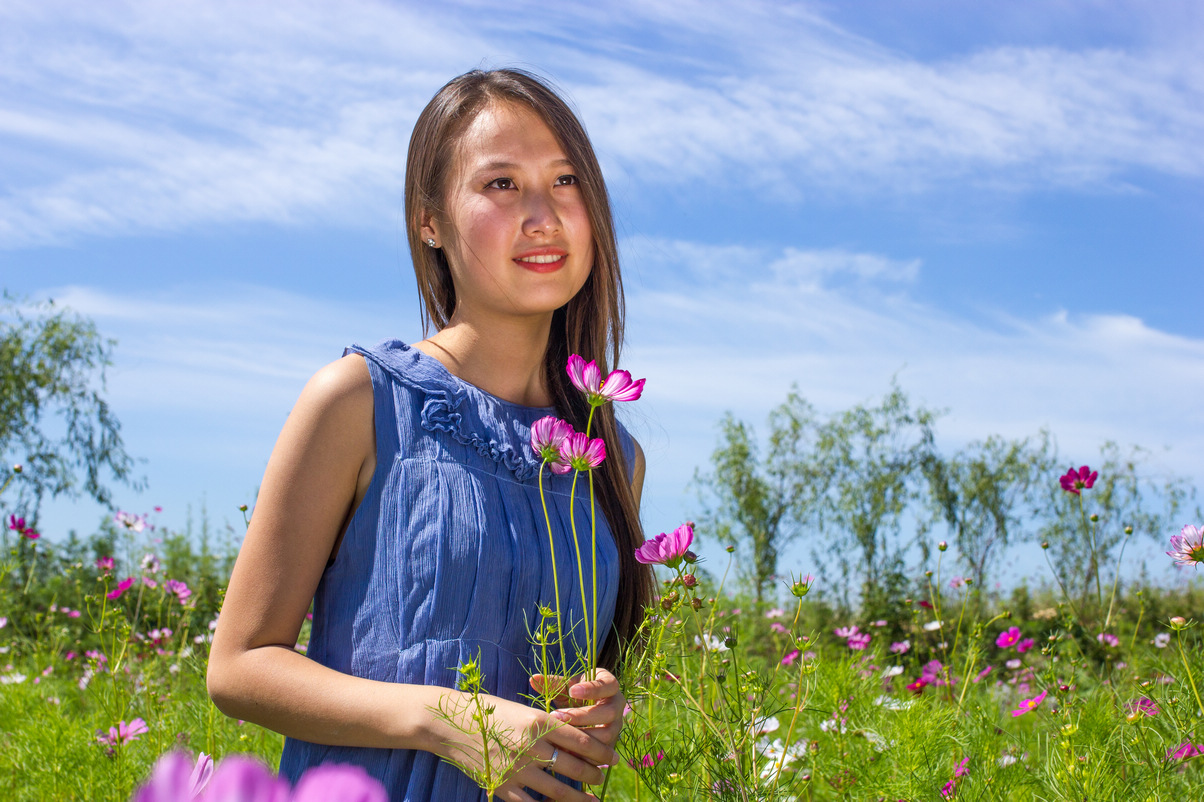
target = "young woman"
x: 403, y: 498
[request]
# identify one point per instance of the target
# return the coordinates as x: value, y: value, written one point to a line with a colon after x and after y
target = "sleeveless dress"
x: 447, y: 558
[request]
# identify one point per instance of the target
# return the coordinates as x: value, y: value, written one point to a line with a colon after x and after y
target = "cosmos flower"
x: 900, y: 647
x: 666, y: 549
x: 547, y: 437
x: 582, y: 453
x: 123, y: 733
x: 1028, y: 705
x: 1008, y: 637
x: 1082, y: 479
x: 121, y: 588
x: 587, y: 377
x: 1187, y: 547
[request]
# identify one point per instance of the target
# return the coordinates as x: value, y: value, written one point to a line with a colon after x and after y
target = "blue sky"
x: 998, y: 203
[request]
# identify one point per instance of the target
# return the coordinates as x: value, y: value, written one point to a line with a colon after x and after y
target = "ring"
x: 552, y: 761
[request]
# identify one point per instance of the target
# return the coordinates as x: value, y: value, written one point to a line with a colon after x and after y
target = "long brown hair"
x: 591, y: 324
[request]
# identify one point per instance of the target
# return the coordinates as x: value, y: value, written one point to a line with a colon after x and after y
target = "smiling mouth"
x: 543, y: 263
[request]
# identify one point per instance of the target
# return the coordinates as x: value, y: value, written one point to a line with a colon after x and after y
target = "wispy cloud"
x: 712, y: 346
x: 152, y: 116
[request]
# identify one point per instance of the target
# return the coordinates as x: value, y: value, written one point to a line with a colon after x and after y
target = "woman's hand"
x: 542, y: 744
x: 603, y: 719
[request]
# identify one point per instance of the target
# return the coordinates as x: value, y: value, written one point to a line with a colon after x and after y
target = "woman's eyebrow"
x: 504, y: 165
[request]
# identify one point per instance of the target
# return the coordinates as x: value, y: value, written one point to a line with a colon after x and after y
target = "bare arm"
x: 318, y: 471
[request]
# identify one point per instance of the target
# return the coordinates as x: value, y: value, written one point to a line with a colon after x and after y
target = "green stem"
x: 577, y: 547
x: 555, y: 574
x: 592, y: 646
x: 1190, y: 677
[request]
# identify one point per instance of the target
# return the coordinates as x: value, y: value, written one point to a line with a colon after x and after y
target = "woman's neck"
x: 504, y: 360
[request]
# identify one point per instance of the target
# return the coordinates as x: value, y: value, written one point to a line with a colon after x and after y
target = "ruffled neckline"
x: 497, y: 429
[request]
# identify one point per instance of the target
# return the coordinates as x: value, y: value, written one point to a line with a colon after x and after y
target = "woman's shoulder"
x: 340, y: 392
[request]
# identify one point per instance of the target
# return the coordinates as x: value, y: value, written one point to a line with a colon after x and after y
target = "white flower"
x: 776, y: 754
x: 12, y: 679
x: 932, y: 626
x: 1161, y: 640
x: 879, y: 743
x: 891, y: 703
x: 833, y: 724
x: 767, y: 724
x: 892, y: 671
x: 1005, y: 760
x: 712, y: 643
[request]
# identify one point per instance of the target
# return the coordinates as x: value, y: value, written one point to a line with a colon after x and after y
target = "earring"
x: 431, y: 242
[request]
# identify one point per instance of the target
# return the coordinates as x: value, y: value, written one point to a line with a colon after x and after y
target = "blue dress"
x: 447, y: 558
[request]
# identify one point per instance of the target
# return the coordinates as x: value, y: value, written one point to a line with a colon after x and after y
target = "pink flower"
x: 586, y: 377
x: 1083, y: 478
x: 917, y: 687
x: 1008, y: 637
x: 1029, y: 705
x: 177, y: 587
x: 1187, y: 547
x: 582, y: 453
x: 666, y: 549
x: 123, y: 733
x: 900, y: 647
x: 1024, y: 645
x: 16, y: 524
x: 1108, y: 639
x: 777, y: 626
x: 1144, y: 706
x: 859, y: 642
x: 957, y: 582
x: 1184, y: 751
x: 135, y: 523
x: 121, y: 588
x: 790, y: 658
x: 981, y: 675
x: 845, y: 632
x: 105, y: 564
x: 547, y: 436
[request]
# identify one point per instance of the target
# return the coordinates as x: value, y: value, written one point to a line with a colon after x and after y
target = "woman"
x: 403, y: 500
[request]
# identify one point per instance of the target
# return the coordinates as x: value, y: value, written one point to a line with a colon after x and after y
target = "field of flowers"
x: 955, y: 694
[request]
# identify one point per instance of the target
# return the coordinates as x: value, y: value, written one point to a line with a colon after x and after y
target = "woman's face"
x: 516, y: 232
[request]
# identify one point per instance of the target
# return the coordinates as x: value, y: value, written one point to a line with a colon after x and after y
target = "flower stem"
x: 555, y: 574
x: 1190, y: 677
x: 577, y: 547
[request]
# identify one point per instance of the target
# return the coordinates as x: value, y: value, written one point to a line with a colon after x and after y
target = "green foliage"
x: 54, y: 419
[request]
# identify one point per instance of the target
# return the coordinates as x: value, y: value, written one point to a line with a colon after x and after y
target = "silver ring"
x: 552, y: 761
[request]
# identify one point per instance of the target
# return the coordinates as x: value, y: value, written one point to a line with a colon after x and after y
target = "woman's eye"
x: 566, y: 180
x: 501, y: 183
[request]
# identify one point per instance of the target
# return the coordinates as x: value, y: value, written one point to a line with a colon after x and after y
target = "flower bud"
x: 942, y: 545
x: 668, y: 600
x: 17, y: 468
x: 1094, y: 517
x: 928, y: 574
x: 1044, y: 544
x: 242, y: 507
x: 689, y: 580
x: 690, y: 557
x: 1064, y: 688
x: 696, y: 603
x: 969, y: 581
x: 1178, y: 622
x: 730, y: 641
x: 730, y: 549
x: 1128, y: 530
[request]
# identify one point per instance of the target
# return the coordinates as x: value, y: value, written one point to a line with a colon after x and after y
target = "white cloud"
x: 154, y: 116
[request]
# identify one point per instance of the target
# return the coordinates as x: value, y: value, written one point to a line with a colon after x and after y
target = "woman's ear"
x: 429, y: 229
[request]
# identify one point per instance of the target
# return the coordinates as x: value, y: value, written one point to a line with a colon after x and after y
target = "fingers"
x: 603, y: 686
x: 581, y: 744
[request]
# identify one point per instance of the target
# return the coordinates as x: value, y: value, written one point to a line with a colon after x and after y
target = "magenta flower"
x: 1008, y: 637
x: 587, y: 377
x: 1029, y: 705
x: 105, y: 564
x: 1185, y: 750
x: 858, y: 642
x: 241, y: 778
x: 1024, y: 645
x: 582, y: 453
x: 1187, y: 547
x: 1108, y: 639
x: 845, y: 632
x: 16, y: 524
x: 547, y: 437
x: 180, y: 589
x: 1083, y: 478
x: 123, y: 733
x: 1145, y: 706
x: 666, y: 549
x: 790, y: 657
x: 900, y: 647
x: 176, y: 779
x: 121, y: 588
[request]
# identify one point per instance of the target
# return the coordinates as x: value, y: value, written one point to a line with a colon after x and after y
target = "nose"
x: 540, y: 216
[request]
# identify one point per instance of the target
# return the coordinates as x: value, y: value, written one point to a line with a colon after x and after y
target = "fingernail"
x: 560, y: 715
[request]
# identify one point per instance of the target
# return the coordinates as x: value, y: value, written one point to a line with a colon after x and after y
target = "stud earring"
x: 431, y: 242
